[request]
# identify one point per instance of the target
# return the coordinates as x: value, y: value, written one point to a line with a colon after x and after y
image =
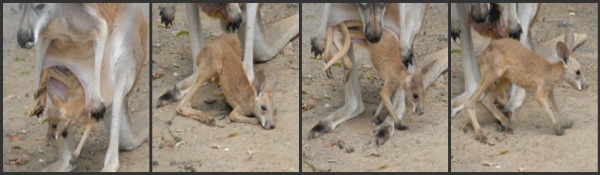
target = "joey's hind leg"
x: 540, y: 97
x: 488, y: 102
x: 567, y: 123
x: 177, y: 92
x: 385, y: 130
x: 485, y: 83
x: 185, y: 106
x: 86, y: 133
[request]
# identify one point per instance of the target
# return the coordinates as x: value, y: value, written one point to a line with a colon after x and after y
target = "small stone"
x: 173, y: 162
x: 350, y: 150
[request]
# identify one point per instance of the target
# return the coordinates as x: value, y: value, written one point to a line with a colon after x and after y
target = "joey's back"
x: 510, y: 59
x: 229, y: 70
x: 387, y: 59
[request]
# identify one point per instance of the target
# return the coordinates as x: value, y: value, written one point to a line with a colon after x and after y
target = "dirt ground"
x: 423, y: 147
x: 24, y: 139
x: 533, y: 146
x: 184, y: 144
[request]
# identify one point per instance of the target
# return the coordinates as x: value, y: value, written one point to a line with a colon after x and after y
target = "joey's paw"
x: 568, y: 124
x: 383, y: 133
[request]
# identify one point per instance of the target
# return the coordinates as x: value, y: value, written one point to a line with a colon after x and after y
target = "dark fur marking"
x: 166, y: 98
x: 516, y: 34
x: 408, y: 60
x: 401, y: 127
x: 65, y: 133
x: 454, y: 35
x: 382, y: 137
x: 495, y: 12
x: 99, y: 113
x: 166, y: 20
x: 314, y: 48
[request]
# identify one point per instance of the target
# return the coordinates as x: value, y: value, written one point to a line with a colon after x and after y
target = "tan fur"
x: 69, y: 109
x: 493, y: 30
x: 215, y: 10
x: 507, y: 61
x: 74, y: 48
x: 220, y: 60
x: 388, y: 61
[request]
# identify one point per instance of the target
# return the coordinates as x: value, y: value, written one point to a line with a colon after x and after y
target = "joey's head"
x: 416, y: 91
x: 416, y: 87
x: 34, y: 19
x: 264, y: 109
x: 372, y: 15
x: 573, y: 74
x: 57, y: 124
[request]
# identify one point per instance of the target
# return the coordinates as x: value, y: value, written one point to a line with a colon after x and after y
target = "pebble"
x: 562, y: 23
x: 350, y: 150
x: 443, y: 37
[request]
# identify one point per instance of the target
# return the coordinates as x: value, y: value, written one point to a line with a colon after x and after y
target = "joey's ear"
x: 563, y: 52
x: 428, y: 67
x: 259, y: 82
x: 408, y: 79
x: 272, y: 82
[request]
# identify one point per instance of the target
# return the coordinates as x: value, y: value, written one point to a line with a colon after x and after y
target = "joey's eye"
x: 54, y: 126
x: 415, y: 96
x: 578, y: 72
x: 264, y: 108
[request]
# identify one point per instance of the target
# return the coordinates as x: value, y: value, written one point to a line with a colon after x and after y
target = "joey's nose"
x: 419, y: 111
x: 269, y: 126
x: 584, y: 86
